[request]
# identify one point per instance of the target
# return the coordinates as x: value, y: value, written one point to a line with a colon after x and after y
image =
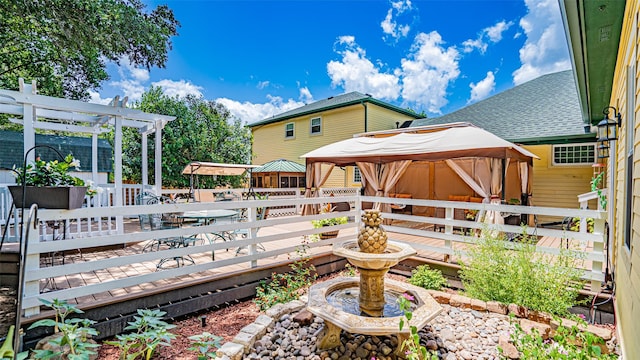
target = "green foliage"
x: 202, y: 131
x: 411, y: 346
x: 150, y: 331
x: 50, y: 173
x: 75, y: 333
x: 569, y: 343
x: 427, y: 278
x: 595, y: 186
x: 65, y: 44
x: 285, y: 287
x: 205, y: 344
x: 514, y: 273
x: 328, y: 222
x: 575, y: 224
x: 349, y: 270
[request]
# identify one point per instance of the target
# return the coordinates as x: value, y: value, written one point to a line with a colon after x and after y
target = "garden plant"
x: 427, y: 278
x: 513, y: 272
x: 150, y: 331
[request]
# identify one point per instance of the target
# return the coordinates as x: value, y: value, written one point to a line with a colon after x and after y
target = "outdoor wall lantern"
x: 607, y: 131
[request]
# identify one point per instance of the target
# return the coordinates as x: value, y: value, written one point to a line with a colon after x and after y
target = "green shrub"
x: 567, y: 343
x: 514, y: 273
x: 283, y: 288
x: 427, y: 278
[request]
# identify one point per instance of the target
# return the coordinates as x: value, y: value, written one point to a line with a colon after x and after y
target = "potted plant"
x: 49, y: 184
x: 317, y: 224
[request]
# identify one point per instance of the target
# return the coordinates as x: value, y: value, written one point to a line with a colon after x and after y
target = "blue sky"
x: 261, y: 58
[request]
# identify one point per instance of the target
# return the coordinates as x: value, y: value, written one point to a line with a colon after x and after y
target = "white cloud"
x: 492, y: 33
x: 249, y: 112
x: 495, y: 32
x: 131, y: 88
x: 483, y: 88
x: 305, y: 95
x: 545, y: 50
x: 178, y: 88
x: 390, y: 26
x: 428, y: 70
x: 94, y: 97
x: 263, y: 84
x: 354, y: 72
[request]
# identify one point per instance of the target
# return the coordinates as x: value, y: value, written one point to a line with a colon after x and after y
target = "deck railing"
x: 449, y: 243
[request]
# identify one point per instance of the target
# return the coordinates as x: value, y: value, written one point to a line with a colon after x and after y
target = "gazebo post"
x: 29, y: 118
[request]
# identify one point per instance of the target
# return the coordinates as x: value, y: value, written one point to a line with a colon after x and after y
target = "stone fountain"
x: 368, y: 305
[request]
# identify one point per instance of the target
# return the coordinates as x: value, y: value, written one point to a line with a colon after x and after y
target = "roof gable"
x: 330, y: 103
x: 543, y: 110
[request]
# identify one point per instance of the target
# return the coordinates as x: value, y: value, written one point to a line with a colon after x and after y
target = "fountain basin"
x: 426, y: 308
x: 394, y: 253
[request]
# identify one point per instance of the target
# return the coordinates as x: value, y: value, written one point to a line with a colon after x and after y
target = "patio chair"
x: 164, y: 221
x: 261, y: 214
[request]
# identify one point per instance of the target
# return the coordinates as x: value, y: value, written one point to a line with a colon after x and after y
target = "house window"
x: 302, y: 181
x: 316, y: 126
x: 628, y: 170
x: 288, y: 131
x: 574, y: 154
x: 357, y: 177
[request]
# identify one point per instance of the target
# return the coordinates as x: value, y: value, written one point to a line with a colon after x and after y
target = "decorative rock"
x: 478, y: 305
x: 233, y: 350
x: 518, y: 311
x: 496, y: 307
x: 603, y: 333
x: 460, y: 301
x: 508, y: 349
x: 439, y: 296
x: 543, y: 329
x: 304, y: 318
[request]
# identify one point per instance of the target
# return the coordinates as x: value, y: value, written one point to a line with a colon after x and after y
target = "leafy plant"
x: 285, y: 287
x: 73, y: 343
x: 514, y: 273
x: 205, y: 343
x: 575, y: 224
x: 150, y: 331
x: 568, y: 343
x: 53, y: 173
x: 595, y: 186
x: 427, y: 278
x: 411, y: 346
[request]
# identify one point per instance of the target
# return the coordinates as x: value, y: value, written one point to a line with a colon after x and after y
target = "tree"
x: 202, y: 131
x: 64, y: 44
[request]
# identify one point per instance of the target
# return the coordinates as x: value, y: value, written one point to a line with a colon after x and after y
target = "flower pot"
x: 329, y: 234
x: 49, y: 197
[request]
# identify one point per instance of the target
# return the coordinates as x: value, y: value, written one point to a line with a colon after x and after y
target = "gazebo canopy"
x: 209, y: 168
x: 447, y: 143
x: 280, y: 165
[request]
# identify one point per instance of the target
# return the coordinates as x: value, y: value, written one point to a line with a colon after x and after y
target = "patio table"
x: 207, y: 217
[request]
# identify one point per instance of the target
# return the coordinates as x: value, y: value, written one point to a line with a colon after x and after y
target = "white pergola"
x: 35, y: 111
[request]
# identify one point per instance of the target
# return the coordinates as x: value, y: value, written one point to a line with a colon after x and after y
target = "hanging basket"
x: 49, y: 197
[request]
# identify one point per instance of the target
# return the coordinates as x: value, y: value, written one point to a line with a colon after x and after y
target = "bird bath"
x: 368, y: 305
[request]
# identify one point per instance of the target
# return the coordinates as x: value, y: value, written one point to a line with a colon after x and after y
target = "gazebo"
x: 280, y: 173
x: 35, y: 111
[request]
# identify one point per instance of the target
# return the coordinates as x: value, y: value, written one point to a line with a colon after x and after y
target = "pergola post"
x: 29, y: 118
x: 158, y: 158
x: 145, y: 162
x: 94, y: 158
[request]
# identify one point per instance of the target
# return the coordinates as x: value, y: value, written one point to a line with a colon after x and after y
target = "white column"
x: 29, y: 117
x: 94, y: 158
x: 145, y: 161
x: 117, y: 172
x: 158, y: 158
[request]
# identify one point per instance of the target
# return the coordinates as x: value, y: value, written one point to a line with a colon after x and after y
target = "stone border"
x: 529, y: 319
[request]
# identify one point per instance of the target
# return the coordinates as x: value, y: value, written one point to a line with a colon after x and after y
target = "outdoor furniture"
x: 208, y: 217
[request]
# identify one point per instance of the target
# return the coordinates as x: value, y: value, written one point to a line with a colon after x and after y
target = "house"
x: 543, y: 115
x: 298, y: 131
x: 11, y: 154
x: 604, y: 43
x: 279, y: 173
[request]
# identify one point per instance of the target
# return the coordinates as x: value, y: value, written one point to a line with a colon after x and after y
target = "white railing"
x: 298, y: 229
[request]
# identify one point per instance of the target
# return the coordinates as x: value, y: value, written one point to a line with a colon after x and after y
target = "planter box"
x: 329, y: 234
x: 49, y: 197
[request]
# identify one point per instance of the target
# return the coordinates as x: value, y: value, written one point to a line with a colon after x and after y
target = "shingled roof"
x: 11, y: 150
x: 545, y: 110
x: 333, y: 102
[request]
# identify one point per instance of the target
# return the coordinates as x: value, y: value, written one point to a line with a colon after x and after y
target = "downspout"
x: 366, y: 125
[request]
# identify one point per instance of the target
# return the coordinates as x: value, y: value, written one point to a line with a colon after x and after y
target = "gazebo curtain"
x: 383, y: 177
x: 315, y: 178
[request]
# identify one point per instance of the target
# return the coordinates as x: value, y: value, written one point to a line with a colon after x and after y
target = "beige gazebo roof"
x: 209, y: 168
